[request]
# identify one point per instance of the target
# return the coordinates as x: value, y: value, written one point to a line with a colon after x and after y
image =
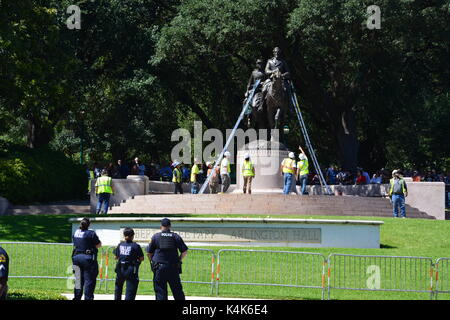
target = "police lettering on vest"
x: 165, y: 246
x: 129, y: 252
x: 85, y: 241
x: 167, y: 241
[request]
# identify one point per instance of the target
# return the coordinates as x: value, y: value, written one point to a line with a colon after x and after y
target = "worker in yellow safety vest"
x: 177, y: 177
x: 104, y: 189
x: 91, y: 177
x: 195, y: 170
x: 397, y: 193
x: 303, y: 170
x: 288, y: 169
x: 248, y: 172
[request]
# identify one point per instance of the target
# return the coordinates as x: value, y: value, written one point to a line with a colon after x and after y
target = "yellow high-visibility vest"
x: 302, y: 166
x: 247, y: 169
x: 91, y: 177
x: 288, y: 165
x: 103, y: 184
x: 402, y: 183
x: 194, y: 171
x: 222, y: 166
x: 176, y: 176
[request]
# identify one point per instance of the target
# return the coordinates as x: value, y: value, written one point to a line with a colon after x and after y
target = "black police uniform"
x: 127, y: 268
x: 85, y: 263
x: 166, y: 264
x: 4, y: 269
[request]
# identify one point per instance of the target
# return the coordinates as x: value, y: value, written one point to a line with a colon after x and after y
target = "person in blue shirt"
x: 129, y: 255
x: 84, y: 259
x: 165, y: 173
x: 4, y: 269
x: 165, y: 260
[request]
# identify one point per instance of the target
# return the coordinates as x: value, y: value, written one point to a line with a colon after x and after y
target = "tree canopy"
x: 138, y: 69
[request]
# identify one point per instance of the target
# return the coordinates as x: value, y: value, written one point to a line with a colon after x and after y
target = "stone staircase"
x: 263, y: 204
x: 73, y: 207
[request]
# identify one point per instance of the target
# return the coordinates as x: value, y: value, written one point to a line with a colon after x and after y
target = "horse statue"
x: 276, y: 100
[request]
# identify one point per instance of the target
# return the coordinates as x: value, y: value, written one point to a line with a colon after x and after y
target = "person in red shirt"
x: 416, y: 177
x: 360, y: 179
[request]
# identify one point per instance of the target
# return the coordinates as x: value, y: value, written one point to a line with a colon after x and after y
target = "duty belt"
x: 89, y: 251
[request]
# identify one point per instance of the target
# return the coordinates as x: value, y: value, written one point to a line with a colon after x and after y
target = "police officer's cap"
x: 128, y: 232
x: 165, y: 222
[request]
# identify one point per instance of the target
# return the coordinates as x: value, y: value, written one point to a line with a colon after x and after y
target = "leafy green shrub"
x: 17, y: 294
x: 39, y: 175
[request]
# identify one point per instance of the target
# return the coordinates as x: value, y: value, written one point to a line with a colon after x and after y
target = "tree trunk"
x: 347, y: 140
x: 37, y: 134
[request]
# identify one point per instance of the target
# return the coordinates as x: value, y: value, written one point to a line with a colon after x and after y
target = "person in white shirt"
x: 225, y: 171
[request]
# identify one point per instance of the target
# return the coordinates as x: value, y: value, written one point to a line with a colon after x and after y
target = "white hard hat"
x: 246, y: 156
x: 291, y: 155
x: 394, y: 172
x: 302, y: 156
x: 208, y: 163
x: 227, y: 154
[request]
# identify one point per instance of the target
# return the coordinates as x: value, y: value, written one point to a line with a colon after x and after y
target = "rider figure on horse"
x: 276, y: 70
x: 257, y: 102
x: 276, y: 64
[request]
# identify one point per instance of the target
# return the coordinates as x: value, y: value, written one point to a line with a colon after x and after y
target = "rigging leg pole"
x: 231, y: 137
x: 296, y: 107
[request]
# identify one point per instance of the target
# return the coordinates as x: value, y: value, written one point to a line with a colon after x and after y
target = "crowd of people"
x: 333, y: 175
x: 121, y: 169
x: 344, y: 177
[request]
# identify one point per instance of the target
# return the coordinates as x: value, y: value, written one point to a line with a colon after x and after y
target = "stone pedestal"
x: 266, y: 157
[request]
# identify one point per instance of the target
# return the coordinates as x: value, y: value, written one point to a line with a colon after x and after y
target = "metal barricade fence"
x: 380, y: 273
x: 32, y: 261
x: 442, y: 272
x: 271, y: 268
x: 198, y: 267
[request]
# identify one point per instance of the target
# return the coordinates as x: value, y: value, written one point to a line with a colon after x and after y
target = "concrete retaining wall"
x: 428, y: 197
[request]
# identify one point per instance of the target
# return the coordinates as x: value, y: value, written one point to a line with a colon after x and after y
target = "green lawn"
x: 399, y: 237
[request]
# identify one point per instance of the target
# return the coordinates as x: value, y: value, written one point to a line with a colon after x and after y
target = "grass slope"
x: 399, y: 237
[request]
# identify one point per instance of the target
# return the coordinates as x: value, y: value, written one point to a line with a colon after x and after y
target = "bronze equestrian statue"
x: 271, y: 98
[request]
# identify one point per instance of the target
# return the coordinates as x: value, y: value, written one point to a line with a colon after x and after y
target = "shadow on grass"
x: 37, y: 228
x: 386, y: 246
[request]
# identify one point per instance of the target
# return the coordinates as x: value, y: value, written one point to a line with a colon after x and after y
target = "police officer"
x: 4, y: 267
x: 165, y: 261
x: 84, y: 259
x: 129, y: 255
